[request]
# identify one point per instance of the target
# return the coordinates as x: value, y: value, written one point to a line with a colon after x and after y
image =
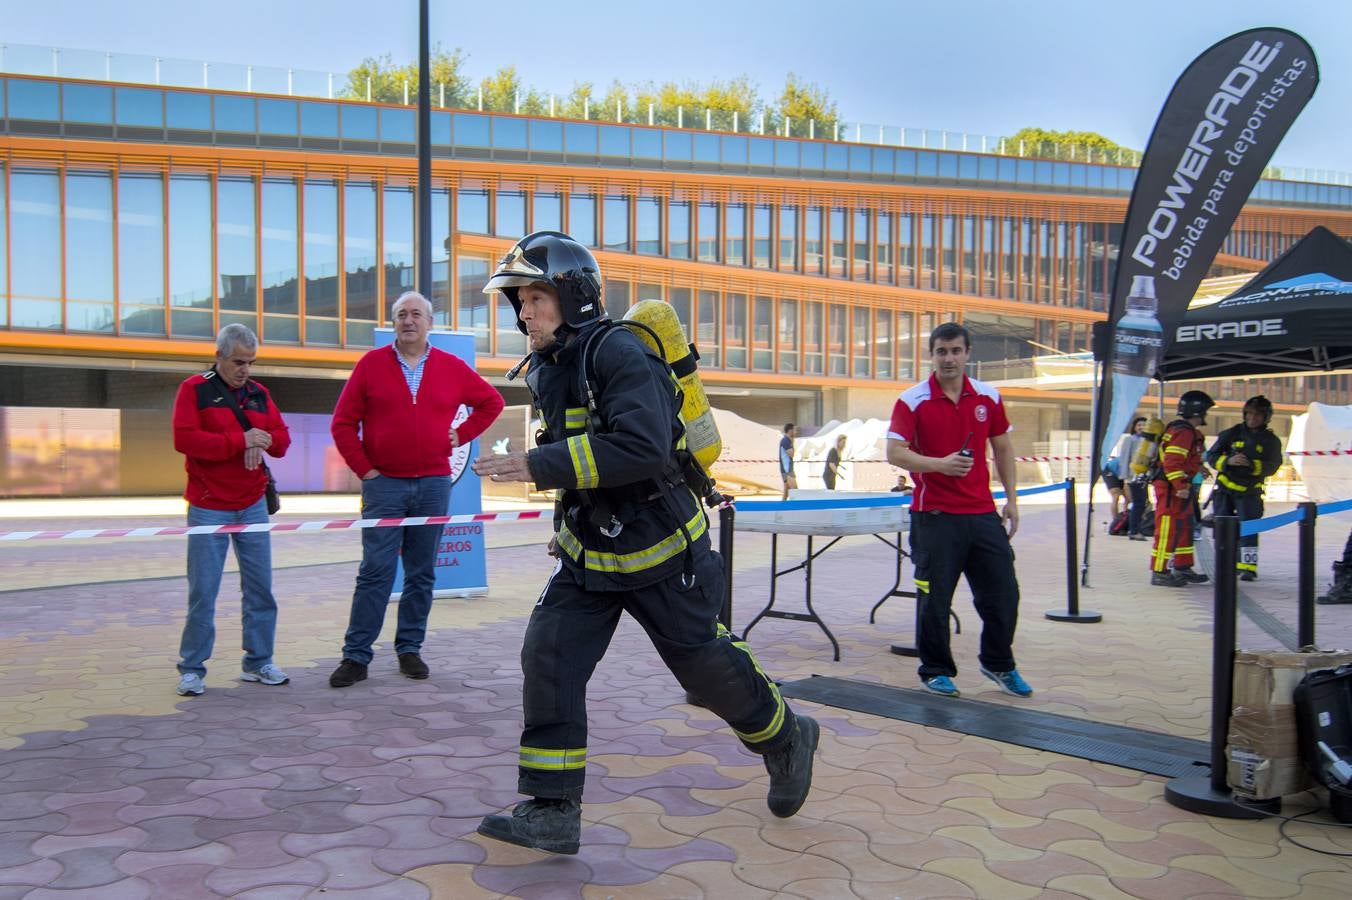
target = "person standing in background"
x: 832, y: 470
x: 786, y: 459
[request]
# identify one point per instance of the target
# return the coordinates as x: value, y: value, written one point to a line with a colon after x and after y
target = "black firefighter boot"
x: 1341, y: 589
x: 542, y: 824
x: 790, y: 769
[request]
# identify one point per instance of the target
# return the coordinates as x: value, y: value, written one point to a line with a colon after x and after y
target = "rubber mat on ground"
x: 1117, y: 745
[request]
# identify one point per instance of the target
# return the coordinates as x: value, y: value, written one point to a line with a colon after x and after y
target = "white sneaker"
x: 191, y: 686
x: 268, y: 674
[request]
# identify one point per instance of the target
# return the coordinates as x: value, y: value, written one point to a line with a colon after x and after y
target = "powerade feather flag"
x: 1226, y: 115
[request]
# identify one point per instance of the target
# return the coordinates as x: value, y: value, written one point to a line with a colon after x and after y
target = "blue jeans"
x: 384, y: 497
x: 206, y: 562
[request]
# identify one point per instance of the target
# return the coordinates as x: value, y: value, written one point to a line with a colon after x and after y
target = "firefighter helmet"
x: 559, y: 261
x: 1261, y: 405
x: 1194, y: 403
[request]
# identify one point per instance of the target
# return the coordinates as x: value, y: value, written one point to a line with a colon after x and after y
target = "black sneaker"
x: 348, y: 673
x: 412, y: 666
x: 542, y: 824
x: 791, y: 769
x: 1191, y: 577
x: 1166, y: 579
x: 1246, y: 575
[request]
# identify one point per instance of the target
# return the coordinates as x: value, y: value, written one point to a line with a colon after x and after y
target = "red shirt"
x: 935, y: 426
x: 378, y: 424
x: 208, y: 434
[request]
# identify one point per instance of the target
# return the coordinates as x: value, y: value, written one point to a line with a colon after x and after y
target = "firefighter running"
x: 1244, y: 456
x: 630, y: 536
x: 1180, y: 459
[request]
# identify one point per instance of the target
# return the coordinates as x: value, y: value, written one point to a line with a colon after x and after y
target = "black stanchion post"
x: 1210, y: 794
x: 1072, y: 612
x: 1305, y: 577
x: 726, y: 523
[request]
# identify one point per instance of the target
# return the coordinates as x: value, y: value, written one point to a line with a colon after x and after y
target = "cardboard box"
x: 1263, y: 759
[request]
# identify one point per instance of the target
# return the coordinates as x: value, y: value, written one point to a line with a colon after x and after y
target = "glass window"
x: 988, y: 256
x: 708, y: 232
x: 1007, y: 254
x: 471, y: 130
x: 678, y: 229
x: 398, y: 246
x: 510, y: 218
x: 814, y: 156
x: 359, y: 262
x: 905, y: 342
x: 280, y: 245
x: 647, y: 143
x: 862, y: 343
x: 509, y: 341
x: 35, y: 248
x: 472, y: 308
x: 814, y: 347
x: 321, y: 262
x: 927, y: 252
x: 969, y: 254
x: 140, y: 253
x: 235, y: 262
x: 862, y: 241
x: 734, y: 150
x: 615, y: 297
x: 89, y: 243
x: 4, y: 221
x: 882, y: 248
x: 1001, y: 345
x: 882, y: 343
x: 400, y: 126
x: 927, y: 164
x: 655, y: 292
x: 34, y: 100
x: 509, y: 134
x: 359, y: 123
x: 1044, y: 241
x: 837, y: 158
x: 648, y: 225
x: 837, y: 336
x: 948, y: 165
x: 787, y: 154
x: 319, y: 120
x: 140, y: 107
x: 235, y: 113
x: 582, y: 219
x: 861, y: 159
x: 735, y: 331
x: 760, y: 236
x: 614, y: 141
x: 788, y: 336
x: 190, y: 286
x: 763, y: 335
x: 190, y: 112
x: 277, y: 116
x: 547, y: 211
x: 441, y: 256
x: 762, y: 152
x: 616, y: 223
x: 579, y: 138
x: 547, y: 137
x: 950, y: 257
x: 472, y: 211
x: 883, y: 161
x: 906, y: 249
x: 735, y: 244
x: 812, y: 241
x: 707, y: 335
x: 788, y: 239
x: 838, y: 245
x: 679, y: 298
x: 677, y: 145
x: 906, y: 162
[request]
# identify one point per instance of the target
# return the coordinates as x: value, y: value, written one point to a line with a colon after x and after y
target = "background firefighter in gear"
x: 1244, y: 456
x: 630, y: 536
x: 1180, y: 458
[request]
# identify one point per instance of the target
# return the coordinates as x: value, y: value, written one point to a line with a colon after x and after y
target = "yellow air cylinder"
x: 701, y: 433
x: 1145, y: 453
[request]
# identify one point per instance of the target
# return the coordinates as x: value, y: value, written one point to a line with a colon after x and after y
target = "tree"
x: 802, y: 102
x: 500, y: 89
x: 387, y: 80
x: 581, y: 102
x: 1083, y: 145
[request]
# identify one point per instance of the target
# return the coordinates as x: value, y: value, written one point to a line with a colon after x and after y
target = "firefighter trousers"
x: 570, y: 630
x: 1247, y: 505
x: 1173, y: 529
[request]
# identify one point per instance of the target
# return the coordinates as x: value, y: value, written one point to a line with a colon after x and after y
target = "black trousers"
x: 568, y: 634
x: 1248, y: 506
x: 1140, y: 499
x: 946, y: 546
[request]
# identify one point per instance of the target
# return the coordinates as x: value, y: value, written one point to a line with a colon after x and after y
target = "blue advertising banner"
x: 460, y: 566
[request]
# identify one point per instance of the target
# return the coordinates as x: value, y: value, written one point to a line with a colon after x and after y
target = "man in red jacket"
x: 226, y: 484
x: 393, y: 426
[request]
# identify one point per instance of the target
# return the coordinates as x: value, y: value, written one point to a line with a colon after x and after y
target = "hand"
x: 257, y: 437
x: 553, y: 548
x: 455, y: 439
x: 955, y: 465
x: 1238, y: 459
x: 503, y: 467
x: 374, y: 473
x: 1011, y: 517
x: 1184, y: 491
x: 253, y: 458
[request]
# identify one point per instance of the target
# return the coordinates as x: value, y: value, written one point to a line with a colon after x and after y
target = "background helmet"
x: 1194, y: 403
x: 557, y: 260
x: 1261, y: 405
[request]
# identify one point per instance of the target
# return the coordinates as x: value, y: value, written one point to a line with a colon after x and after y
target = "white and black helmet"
x: 557, y: 260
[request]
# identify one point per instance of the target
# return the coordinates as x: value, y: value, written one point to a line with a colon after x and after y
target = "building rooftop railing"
x: 164, y: 71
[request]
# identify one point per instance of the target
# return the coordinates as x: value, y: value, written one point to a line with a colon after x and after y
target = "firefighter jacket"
x: 1180, y: 453
x: 1262, y: 448
x: 624, y: 517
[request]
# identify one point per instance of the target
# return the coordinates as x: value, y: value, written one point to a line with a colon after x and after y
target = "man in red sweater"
x: 226, y: 482
x: 393, y: 425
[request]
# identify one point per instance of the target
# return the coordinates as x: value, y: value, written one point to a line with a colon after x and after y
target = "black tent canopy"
x: 1294, y: 316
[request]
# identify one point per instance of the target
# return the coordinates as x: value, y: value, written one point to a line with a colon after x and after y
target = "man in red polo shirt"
x: 939, y: 432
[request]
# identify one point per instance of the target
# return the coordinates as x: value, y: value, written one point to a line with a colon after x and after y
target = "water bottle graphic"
x: 1138, y: 340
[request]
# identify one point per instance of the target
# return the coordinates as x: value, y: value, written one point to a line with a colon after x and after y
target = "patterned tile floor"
x: 113, y: 786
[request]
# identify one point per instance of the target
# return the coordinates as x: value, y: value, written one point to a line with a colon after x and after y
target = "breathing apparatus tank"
x: 1146, y: 452
x: 701, y: 432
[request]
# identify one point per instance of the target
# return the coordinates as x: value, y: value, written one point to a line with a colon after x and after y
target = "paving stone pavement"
x: 113, y: 786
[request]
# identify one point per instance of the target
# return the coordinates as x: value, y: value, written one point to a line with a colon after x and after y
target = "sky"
x: 979, y: 66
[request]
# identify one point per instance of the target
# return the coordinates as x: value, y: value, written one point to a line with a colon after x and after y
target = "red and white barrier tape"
x: 330, y: 525
x: 883, y: 462
x: 1319, y: 453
